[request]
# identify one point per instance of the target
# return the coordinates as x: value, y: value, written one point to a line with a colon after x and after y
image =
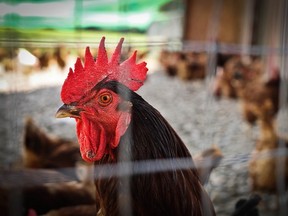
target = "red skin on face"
x: 99, y: 127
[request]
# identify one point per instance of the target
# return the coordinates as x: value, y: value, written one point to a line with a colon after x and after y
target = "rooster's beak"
x: 67, y: 111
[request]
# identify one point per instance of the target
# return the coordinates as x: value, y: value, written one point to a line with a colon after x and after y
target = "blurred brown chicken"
x: 8, y: 58
x: 223, y: 83
x: 60, y: 55
x: 168, y: 60
x: 192, y: 66
x: 51, y: 56
x: 258, y: 95
x: 44, y: 57
x: 42, y: 150
x: 186, y: 65
x: 235, y: 75
x: 265, y: 160
x: 260, y: 101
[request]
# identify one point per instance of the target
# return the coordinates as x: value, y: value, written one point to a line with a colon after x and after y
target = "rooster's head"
x: 102, y: 115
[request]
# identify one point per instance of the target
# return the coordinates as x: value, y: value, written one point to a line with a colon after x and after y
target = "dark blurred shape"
x: 245, y: 207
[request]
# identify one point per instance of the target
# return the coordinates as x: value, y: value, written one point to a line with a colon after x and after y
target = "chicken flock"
x: 47, y: 57
x: 116, y: 127
x: 131, y: 116
x: 44, y: 58
x: 257, y: 88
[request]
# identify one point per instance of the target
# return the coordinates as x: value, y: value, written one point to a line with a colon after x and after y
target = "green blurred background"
x: 54, y: 19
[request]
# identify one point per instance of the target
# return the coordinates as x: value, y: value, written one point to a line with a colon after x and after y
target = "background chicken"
x: 115, y: 125
x: 223, y: 83
x: 258, y: 93
x: 192, y: 66
x: 185, y: 65
x: 52, y: 177
x: 233, y: 77
x: 42, y: 150
x: 260, y: 101
x: 169, y: 60
x: 264, y: 162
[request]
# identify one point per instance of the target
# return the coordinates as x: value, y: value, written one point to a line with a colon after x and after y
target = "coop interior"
x: 217, y: 72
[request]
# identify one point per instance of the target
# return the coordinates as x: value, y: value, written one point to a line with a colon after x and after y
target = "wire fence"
x: 268, y: 49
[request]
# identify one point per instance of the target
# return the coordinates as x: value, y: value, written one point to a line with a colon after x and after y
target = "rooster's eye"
x: 105, y: 99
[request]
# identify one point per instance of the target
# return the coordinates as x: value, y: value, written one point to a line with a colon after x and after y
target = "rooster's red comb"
x: 85, y: 77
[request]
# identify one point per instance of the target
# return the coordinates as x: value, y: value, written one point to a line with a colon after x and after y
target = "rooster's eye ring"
x: 105, y: 99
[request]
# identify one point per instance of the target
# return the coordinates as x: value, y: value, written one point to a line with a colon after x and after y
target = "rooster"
x: 115, y: 125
